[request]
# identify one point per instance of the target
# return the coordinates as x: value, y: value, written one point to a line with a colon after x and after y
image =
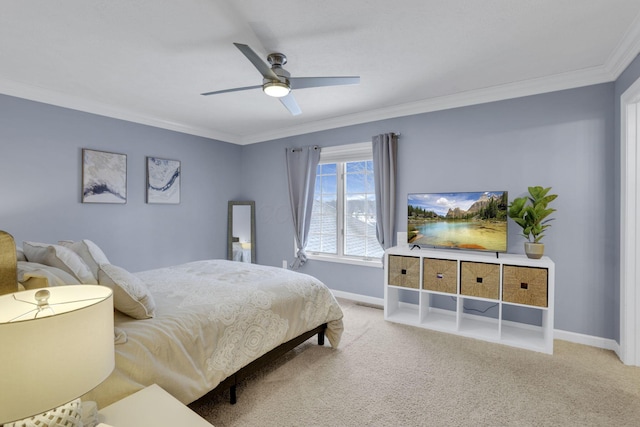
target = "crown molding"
x: 554, y: 83
x: 618, y: 61
x: 47, y: 96
x: 626, y: 51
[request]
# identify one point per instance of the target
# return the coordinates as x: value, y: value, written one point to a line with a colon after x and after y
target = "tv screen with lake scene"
x: 462, y: 220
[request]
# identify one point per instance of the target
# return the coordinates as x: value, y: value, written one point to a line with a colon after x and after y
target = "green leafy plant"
x: 531, y: 212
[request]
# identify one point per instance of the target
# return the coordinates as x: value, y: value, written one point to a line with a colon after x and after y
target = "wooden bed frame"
x: 232, y: 381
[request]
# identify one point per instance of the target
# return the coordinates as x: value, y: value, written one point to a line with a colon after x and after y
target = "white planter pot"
x: 534, y: 250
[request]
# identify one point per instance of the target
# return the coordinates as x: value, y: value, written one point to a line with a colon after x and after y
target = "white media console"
x: 433, y: 289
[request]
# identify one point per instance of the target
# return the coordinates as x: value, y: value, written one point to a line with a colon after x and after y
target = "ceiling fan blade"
x: 231, y: 90
x: 307, y: 82
x: 290, y: 103
x: 257, y: 62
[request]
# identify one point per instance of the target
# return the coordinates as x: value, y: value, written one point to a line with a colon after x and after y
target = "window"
x: 343, y: 219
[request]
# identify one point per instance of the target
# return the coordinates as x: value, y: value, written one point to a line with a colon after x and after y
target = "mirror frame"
x: 233, y: 203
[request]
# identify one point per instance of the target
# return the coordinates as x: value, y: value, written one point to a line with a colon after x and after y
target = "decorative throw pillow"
x: 130, y: 294
x: 20, y: 254
x: 90, y: 253
x: 60, y: 257
x: 35, y: 282
x: 27, y: 271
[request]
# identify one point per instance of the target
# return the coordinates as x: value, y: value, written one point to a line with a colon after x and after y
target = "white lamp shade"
x: 48, y: 361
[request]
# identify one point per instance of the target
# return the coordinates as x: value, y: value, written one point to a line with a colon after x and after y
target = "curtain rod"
x: 293, y: 150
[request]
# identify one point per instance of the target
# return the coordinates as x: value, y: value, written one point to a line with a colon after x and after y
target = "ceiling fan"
x: 277, y: 81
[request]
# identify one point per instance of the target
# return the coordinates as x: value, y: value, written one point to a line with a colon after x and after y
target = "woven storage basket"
x: 524, y: 285
x: 440, y: 275
x: 480, y: 280
x: 404, y: 271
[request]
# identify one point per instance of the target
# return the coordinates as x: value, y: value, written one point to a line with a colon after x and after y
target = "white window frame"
x: 344, y: 153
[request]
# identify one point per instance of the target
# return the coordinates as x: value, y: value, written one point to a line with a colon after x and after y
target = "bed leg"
x: 321, y: 338
x: 232, y: 393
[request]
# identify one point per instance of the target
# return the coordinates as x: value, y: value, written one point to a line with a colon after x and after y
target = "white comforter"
x: 212, y: 318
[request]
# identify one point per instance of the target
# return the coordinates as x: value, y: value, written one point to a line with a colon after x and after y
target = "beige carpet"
x: 385, y: 374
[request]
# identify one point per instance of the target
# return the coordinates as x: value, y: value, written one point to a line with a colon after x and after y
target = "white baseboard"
x: 358, y: 298
x: 604, y: 343
x: 590, y: 340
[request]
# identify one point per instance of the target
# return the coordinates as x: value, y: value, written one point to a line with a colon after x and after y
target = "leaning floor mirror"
x: 241, y: 231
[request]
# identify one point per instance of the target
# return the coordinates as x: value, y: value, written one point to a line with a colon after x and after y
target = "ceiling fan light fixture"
x: 277, y: 82
x: 276, y: 89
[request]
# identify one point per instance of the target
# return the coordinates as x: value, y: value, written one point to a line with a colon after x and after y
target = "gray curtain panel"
x: 301, y: 171
x: 385, y: 149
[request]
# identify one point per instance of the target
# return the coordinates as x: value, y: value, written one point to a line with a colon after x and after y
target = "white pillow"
x: 20, y: 254
x: 130, y: 294
x: 54, y: 276
x: 60, y: 257
x: 90, y: 253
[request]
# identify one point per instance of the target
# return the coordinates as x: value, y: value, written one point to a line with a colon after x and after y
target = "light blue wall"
x: 40, y: 179
x: 563, y: 139
x: 568, y: 140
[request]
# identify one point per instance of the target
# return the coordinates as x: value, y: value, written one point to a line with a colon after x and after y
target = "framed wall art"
x: 104, y: 177
x: 163, y: 180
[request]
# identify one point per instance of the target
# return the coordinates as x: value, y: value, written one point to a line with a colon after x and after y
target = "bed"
x: 195, y: 327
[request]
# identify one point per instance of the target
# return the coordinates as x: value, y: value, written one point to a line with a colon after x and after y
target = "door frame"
x: 629, y: 351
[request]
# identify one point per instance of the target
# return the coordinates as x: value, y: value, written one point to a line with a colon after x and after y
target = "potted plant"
x: 531, y: 213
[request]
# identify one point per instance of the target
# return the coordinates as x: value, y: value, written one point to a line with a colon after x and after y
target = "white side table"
x: 150, y: 407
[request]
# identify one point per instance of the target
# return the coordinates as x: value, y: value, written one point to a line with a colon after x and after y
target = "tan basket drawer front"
x: 525, y: 285
x: 404, y: 271
x: 478, y: 279
x: 440, y: 275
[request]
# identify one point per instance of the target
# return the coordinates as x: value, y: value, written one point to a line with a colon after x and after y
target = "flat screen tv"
x: 462, y: 220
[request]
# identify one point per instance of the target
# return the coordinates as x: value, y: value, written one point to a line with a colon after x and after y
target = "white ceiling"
x: 147, y: 61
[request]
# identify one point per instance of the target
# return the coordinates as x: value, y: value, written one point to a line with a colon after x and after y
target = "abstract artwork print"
x: 163, y: 181
x: 104, y: 177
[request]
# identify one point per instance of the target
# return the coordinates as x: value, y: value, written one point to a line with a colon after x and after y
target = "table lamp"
x: 56, y: 345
